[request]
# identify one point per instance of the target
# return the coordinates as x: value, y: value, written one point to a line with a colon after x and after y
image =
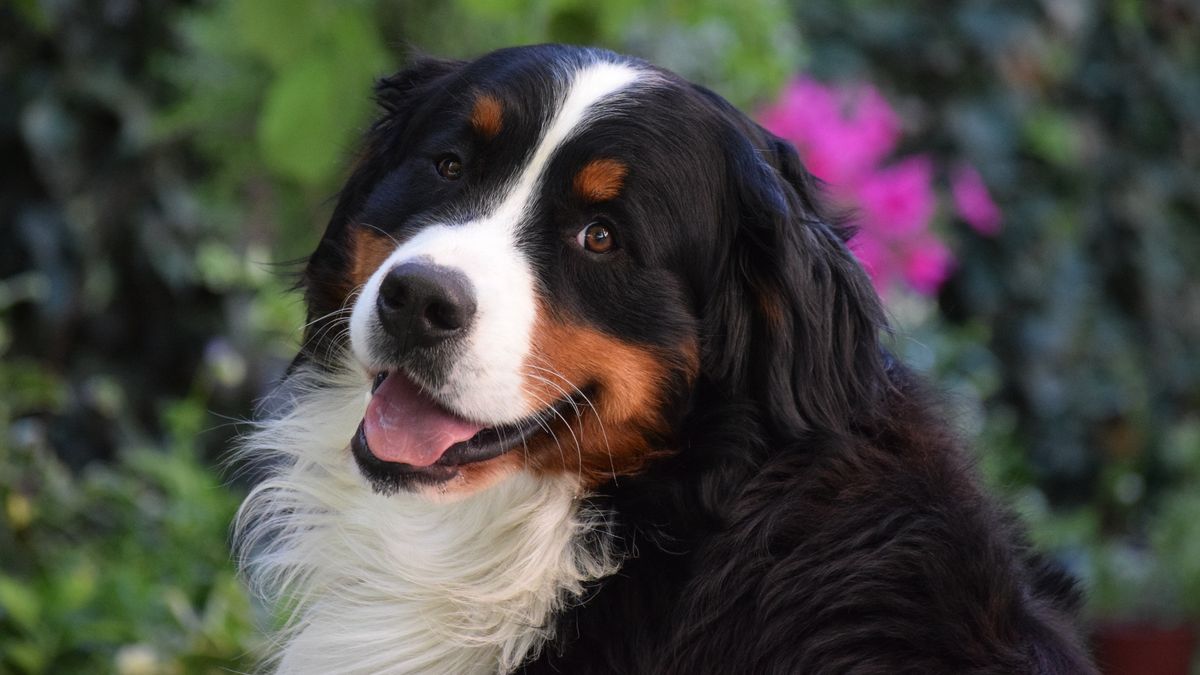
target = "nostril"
x: 393, y: 293
x: 421, y: 304
x: 444, y: 316
x: 394, y: 300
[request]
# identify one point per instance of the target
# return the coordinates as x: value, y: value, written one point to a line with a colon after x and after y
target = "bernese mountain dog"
x: 592, y: 384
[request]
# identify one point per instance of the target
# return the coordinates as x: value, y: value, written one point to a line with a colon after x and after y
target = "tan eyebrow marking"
x: 600, y: 180
x: 369, y: 248
x: 487, y: 117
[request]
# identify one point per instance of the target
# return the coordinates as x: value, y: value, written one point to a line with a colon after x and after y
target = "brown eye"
x: 597, y: 237
x: 450, y: 167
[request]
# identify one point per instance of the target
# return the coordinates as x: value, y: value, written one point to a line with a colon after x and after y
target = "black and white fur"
x: 792, y: 503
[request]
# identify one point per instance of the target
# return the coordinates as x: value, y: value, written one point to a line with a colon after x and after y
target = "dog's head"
x: 542, y: 254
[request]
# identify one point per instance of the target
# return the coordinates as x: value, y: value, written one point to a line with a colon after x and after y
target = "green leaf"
x: 278, y: 31
x: 1054, y: 136
x: 497, y: 10
x: 299, y: 129
x: 33, y: 12
x: 76, y: 587
x: 20, y: 603
x: 28, y: 655
x: 358, y: 51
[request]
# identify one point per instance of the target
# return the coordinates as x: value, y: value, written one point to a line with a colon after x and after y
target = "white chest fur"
x: 401, y: 584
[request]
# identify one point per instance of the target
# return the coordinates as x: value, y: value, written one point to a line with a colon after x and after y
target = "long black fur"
x: 873, y: 553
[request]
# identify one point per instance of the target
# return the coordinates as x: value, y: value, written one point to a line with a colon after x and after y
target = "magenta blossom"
x: 875, y: 258
x: 845, y: 135
x: 842, y: 134
x: 973, y: 202
x: 927, y: 263
x: 897, y: 201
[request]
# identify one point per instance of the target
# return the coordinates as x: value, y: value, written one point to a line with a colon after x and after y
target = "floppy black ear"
x: 325, y: 275
x: 395, y: 93
x: 800, y: 318
x: 398, y: 97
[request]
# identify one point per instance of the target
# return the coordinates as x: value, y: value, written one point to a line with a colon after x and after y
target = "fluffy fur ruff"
x: 384, y: 584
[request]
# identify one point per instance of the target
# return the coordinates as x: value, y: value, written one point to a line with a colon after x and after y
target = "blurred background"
x: 1026, y: 175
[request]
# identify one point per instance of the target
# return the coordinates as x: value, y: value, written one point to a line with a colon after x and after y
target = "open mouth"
x: 407, y: 437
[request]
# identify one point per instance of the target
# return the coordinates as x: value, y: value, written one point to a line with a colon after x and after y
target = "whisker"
x: 346, y: 308
x: 567, y: 395
x: 335, y: 344
x: 318, y: 338
x: 588, y: 401
x: 551, y: 408
x: 546, y: 427
x: 335, y: 312
x: 578, y: 439
x: 383, y: 232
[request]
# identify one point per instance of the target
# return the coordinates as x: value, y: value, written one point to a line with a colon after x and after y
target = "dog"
x: 591, y: 383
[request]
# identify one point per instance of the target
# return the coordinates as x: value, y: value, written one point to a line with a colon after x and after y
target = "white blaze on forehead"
x: 486, y: 380
x: 588, y: 87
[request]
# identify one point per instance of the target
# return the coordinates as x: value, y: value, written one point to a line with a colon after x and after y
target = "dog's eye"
x: 597, y: 237
x: 450, y: 167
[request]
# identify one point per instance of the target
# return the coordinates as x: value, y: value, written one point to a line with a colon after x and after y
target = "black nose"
x: 422, y: 304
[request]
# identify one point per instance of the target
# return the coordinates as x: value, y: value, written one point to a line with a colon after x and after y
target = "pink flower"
x: 898, y: 201
x: 927, y: 263
x: 875, y: 258
x: 972, y: 201
x: 842, y: 134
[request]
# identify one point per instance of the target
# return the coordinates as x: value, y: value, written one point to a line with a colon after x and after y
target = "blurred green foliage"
x: 123, y: 566
x: 163, y: 162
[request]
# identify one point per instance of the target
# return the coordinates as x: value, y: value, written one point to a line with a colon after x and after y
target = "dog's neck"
x: 398, y: 583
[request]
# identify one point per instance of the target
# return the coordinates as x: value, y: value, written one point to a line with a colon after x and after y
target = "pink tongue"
x: 405, y: 425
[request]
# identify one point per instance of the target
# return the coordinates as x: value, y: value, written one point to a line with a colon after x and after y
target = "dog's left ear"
x: 798, y: 323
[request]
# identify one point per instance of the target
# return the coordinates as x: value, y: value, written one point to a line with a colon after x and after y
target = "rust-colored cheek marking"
x: 600, y: 180
x: 368, y: 249
x: 624, y: 425
x: 487, y: 117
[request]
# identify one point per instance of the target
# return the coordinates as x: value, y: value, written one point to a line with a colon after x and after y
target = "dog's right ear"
x: 395, y: 93
x: 398, y: 96
x: 327, y: 282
